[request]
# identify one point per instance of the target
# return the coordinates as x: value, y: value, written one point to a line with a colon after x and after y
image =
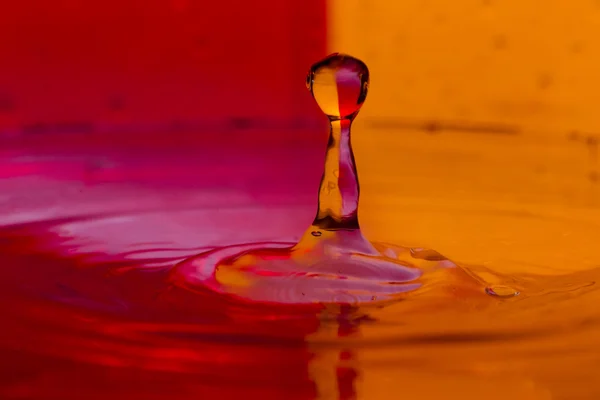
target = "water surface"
x: 89, y: 235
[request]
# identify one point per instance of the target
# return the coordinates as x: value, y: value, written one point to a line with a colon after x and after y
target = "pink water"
x: 88, y: 236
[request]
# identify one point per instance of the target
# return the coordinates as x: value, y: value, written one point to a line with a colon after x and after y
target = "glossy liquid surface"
x: 126, y: 276
x: 88, y: 310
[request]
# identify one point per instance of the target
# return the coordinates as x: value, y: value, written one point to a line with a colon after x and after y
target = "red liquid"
x: 87, y: 311
x: 79, y: 323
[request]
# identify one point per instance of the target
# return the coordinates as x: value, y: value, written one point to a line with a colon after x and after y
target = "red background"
x: 139, y: 65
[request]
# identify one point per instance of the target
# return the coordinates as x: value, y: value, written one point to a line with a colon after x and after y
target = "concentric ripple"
x: 332, y: 268
x: 277, y: 276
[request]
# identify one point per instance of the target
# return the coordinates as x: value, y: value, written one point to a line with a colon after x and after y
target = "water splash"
x: 333, y: 263
x: 339, y: 85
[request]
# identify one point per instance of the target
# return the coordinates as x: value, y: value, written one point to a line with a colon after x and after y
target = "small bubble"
x: 501, y: 291
x: 339, y: 84
x: 316, y: 233
x: 330, y: 186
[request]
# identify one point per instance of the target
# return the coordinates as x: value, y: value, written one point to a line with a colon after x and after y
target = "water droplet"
x: 339, y: 84
x: 342, y: 266
x: 501, y: 291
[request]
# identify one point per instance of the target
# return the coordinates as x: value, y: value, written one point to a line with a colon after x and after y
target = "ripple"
x: 65, y: 301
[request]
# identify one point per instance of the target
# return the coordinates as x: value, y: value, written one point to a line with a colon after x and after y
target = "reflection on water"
x: 87, y: 311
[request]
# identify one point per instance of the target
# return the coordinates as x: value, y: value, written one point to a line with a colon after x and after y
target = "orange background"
x: 524, y: 64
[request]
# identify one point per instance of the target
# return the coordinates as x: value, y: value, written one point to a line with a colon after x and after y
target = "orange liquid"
x: 520, y: 205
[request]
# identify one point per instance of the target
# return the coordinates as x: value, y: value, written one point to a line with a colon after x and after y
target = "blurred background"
x: 82, y: 66
x: 131, y: 66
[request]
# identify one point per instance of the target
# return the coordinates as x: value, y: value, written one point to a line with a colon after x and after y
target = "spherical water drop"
x: 339, y: 84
